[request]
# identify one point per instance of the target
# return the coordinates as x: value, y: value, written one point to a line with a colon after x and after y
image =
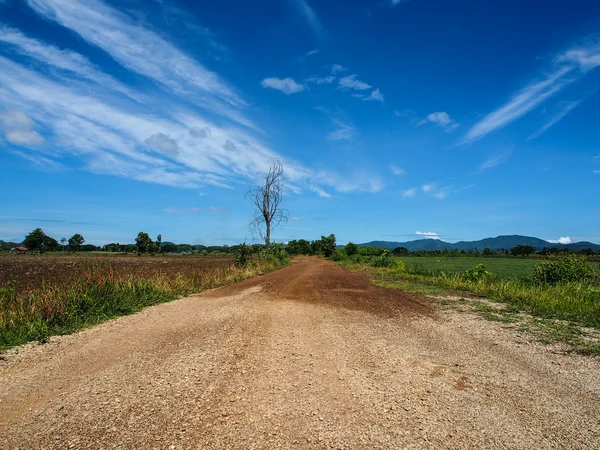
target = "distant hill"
x: 497, y: 243
x: 7, y: 245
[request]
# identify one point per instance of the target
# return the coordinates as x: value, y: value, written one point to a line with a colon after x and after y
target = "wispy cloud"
x: 565, y: 108
x: 441, y: 119
x: 321, y: 80
x: 286, y: 85
x: 397, y: 170
x: 214, y: 209
x: 427, y: 234
x: 19, y: 129
x: 427, y: 188
x: 308, y: 54
x: 397, y: 2
x: 493, y: 162
x: 596, y: 172
x: 409, y: 192
x: 162, y: 143
x: 375, y: 96
x: 192, y: 210
x: 343, y: 132
x: 561, y: 240
x: 567, y: 67
x: 433, y: 190
x: 129, y: 44
x: 351, y: 82
x: 337, y: 68
x: 295, y: 219
x: 56, y: 58
x: 310, y: 16
x: 186, y: 129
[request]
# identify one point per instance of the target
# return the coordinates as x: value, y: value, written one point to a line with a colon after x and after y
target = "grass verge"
x: 567, y: 313
x: 99, y: 293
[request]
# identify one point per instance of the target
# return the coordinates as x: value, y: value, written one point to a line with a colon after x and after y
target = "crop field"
x: 30, y: 271
x: 505, y: 268
x: 45, y: 295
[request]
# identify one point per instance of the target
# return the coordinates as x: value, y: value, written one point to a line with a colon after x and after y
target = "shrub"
x: 275, y: 253
x: 339, y: 255
x: 242, y: 255
x: 563, y: 269
x: 388, y: 261
x: 351, y: 248
x: 477, y: 273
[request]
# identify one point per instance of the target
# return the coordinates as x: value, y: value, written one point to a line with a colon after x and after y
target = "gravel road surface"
x: 311, y: 356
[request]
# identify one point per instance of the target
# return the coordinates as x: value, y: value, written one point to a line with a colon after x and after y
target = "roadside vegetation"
x: 94, y: 290
x: 561, y: 291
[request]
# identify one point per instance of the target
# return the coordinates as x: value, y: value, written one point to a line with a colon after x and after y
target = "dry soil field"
x: 311, y: 356
x: 31, y: 270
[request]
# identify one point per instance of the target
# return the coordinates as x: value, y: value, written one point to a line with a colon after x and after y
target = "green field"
x: 505, y: 268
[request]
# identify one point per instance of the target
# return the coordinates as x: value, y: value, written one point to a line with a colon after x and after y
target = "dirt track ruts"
x: 311, y: 356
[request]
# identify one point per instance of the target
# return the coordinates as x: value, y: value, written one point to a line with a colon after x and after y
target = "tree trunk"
x: 268, y: 235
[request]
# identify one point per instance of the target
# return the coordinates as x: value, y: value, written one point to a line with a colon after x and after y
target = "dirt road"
x: 311, y: 356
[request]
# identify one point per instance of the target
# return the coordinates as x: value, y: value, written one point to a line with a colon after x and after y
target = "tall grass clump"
x: 100, y: 293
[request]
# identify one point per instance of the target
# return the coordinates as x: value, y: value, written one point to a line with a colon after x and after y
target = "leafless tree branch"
x: 267, y: 198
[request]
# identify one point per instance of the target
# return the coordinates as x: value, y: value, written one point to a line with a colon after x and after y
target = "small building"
x: 18, y: 250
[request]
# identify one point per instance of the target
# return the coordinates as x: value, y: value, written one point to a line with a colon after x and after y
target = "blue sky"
x: 394, y: 120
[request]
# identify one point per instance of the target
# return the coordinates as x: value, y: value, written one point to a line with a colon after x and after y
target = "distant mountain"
x: 497, y: 243
x: 7, y: 245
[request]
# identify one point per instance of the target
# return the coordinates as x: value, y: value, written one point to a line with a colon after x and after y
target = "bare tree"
x: 267, y: 198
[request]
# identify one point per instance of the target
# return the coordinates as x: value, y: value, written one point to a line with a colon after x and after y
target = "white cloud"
x: 409, y: 192
x: 565, y: 109
x: 343, y: 132
x: 492, y: 162
x: 350, y: 82
x: 200, y: 132
x: 441, y: 119
x: 310, y: 16
x: 375, y: 96
x: 308, y: 54
x: 60, y: 59
x: 427, y: 188
x: 442, y: 193
x: 286, y: 85
x: 321, y: 80
x: 337, y: 68
x: 106, y: 127
x: 587, y: 56
x: 18, y: 129
x: 192, y: 210
x: 295, y: 219
x: 561, y: 240
x: 397, y: 170
x: 162, y: 143
x: 596, y: 172
x: 427, y: 234
x: 567, y: 68
x: 320, y: 191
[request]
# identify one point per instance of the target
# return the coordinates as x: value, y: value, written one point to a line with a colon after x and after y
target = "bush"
x: 351, y: 248
x: 563, y: 269
x: 275, y: 253
x: 242, y: 255
x: 339, y: 255
x: 477, y: 273
x: 388, y: 261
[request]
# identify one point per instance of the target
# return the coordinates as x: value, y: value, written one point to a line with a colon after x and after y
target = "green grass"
x: 553, y: 312
x: 99, y: 293
x: 508, y: 268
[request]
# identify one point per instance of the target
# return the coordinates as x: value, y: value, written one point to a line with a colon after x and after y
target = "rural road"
x: 311, y: 356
